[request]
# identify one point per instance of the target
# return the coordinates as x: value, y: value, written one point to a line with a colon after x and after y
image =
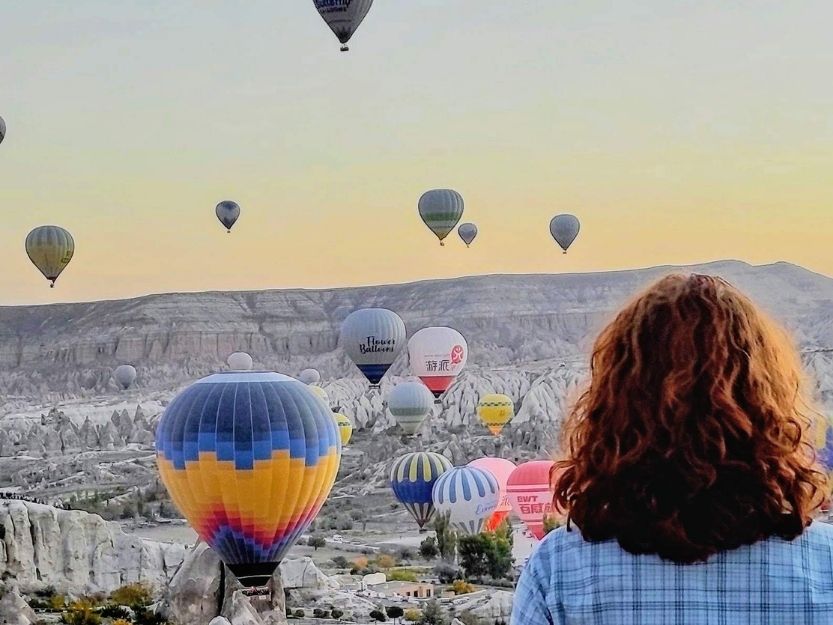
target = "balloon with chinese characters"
x: 437, y: 356
x: 529, y: 493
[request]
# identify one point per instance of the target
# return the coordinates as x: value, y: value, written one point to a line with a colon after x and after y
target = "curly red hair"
x: 691, y: 437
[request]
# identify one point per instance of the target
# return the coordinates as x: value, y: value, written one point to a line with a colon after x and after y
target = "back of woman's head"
x: 690, y: 438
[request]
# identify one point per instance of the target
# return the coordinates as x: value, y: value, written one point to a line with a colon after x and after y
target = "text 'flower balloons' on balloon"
x: 372, y: 338
x: 501, y: 469
x: 468, y: 496
x: 440, y: 210
x: 412, y: 479
x: 249, y: 459
x: 437, y: 356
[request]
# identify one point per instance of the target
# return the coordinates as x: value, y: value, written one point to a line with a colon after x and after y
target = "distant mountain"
x: 509, y: 320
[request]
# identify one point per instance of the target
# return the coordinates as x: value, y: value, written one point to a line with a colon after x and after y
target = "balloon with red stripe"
x: 437, y: 356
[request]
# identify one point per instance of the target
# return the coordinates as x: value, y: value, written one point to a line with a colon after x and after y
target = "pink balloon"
x: 501, y: 469
x: 529, y: 493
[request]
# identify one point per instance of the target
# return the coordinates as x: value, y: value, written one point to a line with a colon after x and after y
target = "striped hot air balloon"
x: 249, y: 459
x: 495, y: 410
x: 410, y: 403
x: 345, y: 427
x: 50, y: 248
x: 412, y: 479
x: 501, y: 469
x: 440, y: 210
x: 468, y: 495
x: 373, y: 338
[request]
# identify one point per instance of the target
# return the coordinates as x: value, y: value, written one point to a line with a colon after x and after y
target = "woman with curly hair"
x: 690, y: 481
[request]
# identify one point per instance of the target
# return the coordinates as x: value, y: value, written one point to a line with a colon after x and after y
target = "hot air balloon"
x: 501, y: 470
x: 467, y: 232
x: 529, y: 492
x: 412, y: 478
x: 343, y: 17
x: 468, y: 495
x: 249, y: 459
x: 410, y: 403
x: 437, y: 357
x: 564, y: 229
x: 441, y: 209
x: 124, y: 375
x: 495, y: 410
x: 228, y: 213
x: 240, y: 361
x: 372, y: 338
x: 310, y: 376
x: 345, y: 428
x: 50, y: 249
x: 2, y: 130
x: 320, y: 393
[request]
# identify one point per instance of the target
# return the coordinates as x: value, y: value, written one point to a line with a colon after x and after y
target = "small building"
x: 412, y: 590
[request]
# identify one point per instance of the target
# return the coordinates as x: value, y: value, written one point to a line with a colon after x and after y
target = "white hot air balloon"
x: 240, y: 361
x: 310, y: 376
x: 410, y: 403
x: 467, y: 232
x: 372, y: 338
x: 343, y: 17
x: 468, y: 495
x: 437, y: 356
x: 441, y: 210
x: 228, y: 213
x: 125, y: 375
x: 564, y: 229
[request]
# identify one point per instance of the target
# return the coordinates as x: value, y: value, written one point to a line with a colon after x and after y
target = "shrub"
x: 299, y: 613
x: 412, y: 614
x: 378, y: 615
x: 447, y: 573
x: 121, y: 621
x: 402, y: 575
x: 57, y: 602
x: 428, y: 548
x: 316, y: 542
x: 81, y: 613
x: 132, y: 595
x: 405, y: 554
x: 45, y: 593
x: 394, y: 611
x: 337, y: 614
x: 143, y: 616
x: 114, y: 611
x: 317, y: 613
x: 461, y: 587
x: 341, y: 562
x: 386, y: 561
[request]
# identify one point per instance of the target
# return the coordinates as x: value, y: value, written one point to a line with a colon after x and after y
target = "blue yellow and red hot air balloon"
x: 249, y: 458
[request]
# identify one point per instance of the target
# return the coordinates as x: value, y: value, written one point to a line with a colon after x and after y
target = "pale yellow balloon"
x: 345, y: 427
x: 50, y: 249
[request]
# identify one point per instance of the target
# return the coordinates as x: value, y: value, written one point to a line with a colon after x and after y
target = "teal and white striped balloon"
x: 410, y: 403
x: 441, y: 210
x: 468, y: 495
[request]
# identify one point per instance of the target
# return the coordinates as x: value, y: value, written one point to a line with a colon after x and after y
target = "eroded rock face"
x: 77, y: 552
x: 13, y: 607
x: 487, y: 606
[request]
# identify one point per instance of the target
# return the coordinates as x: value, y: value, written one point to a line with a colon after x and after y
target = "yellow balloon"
x: 345, y: 427
x: 495, y: 410
x: 320, y: 392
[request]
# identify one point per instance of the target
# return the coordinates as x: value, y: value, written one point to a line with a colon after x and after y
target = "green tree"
x: 500, y: 554
x: 550, y: 523
x: 446, y: 538
x: 473, y: 555
x: 433, y: 614
x: 316, y: 542
x: 394, y: 612
x: 337, y: 614
x: 378, y: 615
x: 428, y: 548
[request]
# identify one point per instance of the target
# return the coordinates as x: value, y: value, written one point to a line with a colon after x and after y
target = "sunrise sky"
x: 678, y: 132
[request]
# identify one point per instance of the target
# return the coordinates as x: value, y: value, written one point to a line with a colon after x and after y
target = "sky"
x: 678, y: 132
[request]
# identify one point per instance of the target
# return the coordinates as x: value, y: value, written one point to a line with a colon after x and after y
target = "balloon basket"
x: 345, y: 49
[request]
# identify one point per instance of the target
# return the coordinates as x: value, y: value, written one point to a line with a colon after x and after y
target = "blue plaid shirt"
x: 569, y: 581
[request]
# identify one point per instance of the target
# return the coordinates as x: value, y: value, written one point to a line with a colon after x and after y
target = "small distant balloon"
x: 495, y: 410
x: 441, y: 210
x: 240, y: 361
x: 2, y: 130
x: 320, y: 393
x: 125, y: 375
x: 310, y: 376
x: 467, y: 232
x: 410, y: 403
x: 564, y: 229
x: 345, y: 427
x: 228, y: 213
x: 343, y: 17
x: 50, y: 248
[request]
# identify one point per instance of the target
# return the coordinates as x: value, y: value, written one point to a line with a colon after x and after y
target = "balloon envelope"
x: 310, y: 376
x: 528, y: 490
x: 345, y: 427
x: 467, y: 232
x: 468, y: 495
x: 125, y: 375
x: 501, y: 469
x: 320, y: 393
x: 372, y: 338
x: 50, y: 248
x: 249, y: 459
x: 412, y: 479
x: 240, y: 361
x: 2, y: 130
x: 564, y: 229
x: 228, y: 212
x: 495, y: 410
x: 410, y: 403
x: 440, y: 210
x: 343, y: 16
x: 437, y: 356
